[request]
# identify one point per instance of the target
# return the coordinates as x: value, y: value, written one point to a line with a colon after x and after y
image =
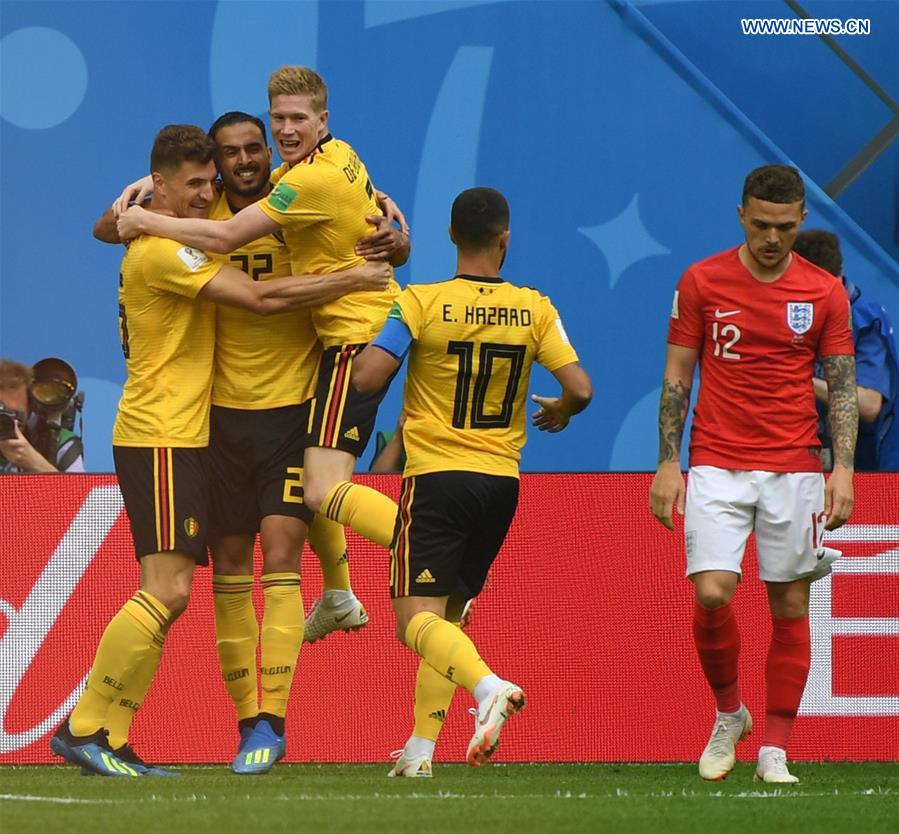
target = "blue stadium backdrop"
x: 619, y: 131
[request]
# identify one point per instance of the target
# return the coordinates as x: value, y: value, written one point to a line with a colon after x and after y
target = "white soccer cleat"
x: 772, y: 767
x: 348, y: 615
x: 720, y: 755
x: 413, y: 767
x: 826, y: 557
x: 489, y: 719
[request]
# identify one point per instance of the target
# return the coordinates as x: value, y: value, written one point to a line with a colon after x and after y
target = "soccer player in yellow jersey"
x: 320, y: 205
x: 167, y: 296
x: 265, y: 371
x: 471, y: 343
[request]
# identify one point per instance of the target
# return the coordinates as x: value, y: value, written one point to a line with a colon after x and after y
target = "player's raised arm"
x: 842, y: 418
x: 219, y: 236
x: 667, y: 488
x: 555, y: 412
x: 236, y: 289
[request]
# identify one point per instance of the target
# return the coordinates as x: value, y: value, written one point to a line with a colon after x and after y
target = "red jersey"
x: 757, y: 346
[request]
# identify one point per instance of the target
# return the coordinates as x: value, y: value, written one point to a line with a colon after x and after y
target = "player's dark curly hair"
x: 176, y: 143
x: 821, y: 248
x: 774, y: 184
x: 236, y: 117
x: 478, y: 217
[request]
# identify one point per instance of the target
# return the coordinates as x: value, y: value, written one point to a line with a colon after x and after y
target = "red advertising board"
x: 587, y: 609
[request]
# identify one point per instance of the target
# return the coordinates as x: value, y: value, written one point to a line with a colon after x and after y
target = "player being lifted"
x: 472, y: 341
x: 320, y: 204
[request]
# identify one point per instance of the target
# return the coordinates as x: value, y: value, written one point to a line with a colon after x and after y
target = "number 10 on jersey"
x: 490, y: 354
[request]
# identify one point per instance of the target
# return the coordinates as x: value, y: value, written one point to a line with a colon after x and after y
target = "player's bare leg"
x: 329, y: 490
x: 717, y: 640
x: 786, y: 673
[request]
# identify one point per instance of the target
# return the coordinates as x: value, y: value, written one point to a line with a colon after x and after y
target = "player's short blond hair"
x: 14, y: 375
x: 297, y: 81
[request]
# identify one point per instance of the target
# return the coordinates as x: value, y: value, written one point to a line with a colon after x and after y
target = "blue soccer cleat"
x: 259, y: 750
x: 126, y: 754
x: 91, y: 752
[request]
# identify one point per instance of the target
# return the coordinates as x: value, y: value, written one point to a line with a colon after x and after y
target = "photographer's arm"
x: 21, y: 454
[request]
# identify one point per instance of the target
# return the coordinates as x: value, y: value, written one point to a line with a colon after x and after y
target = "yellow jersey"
x: 321, y: 204
x: 262, y: 361
x: 474, y: 343
x: 168, y: 338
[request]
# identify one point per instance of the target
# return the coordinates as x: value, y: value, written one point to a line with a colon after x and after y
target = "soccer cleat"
x: 414, y: 767
x: 772, y: 767
x: 349, y: 615
x: 826, y: 557
x: 91, y: 752
x: 489, y: 719
x: 126, y: 754
x: 719, y: 756
x: 259, y: 750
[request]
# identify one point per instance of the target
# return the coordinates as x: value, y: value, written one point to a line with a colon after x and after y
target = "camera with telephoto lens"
x: 54, y: 394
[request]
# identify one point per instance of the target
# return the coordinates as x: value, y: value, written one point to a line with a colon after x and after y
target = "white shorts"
x: 784, y: 509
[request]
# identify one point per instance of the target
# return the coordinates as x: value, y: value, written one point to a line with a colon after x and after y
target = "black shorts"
x: 256, y: 466
x: 449, y: 528
x: 341, y: 418
x: 166, y: 494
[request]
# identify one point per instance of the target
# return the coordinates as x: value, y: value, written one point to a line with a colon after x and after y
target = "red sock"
x: 786, y: 672
x: 717, y: 639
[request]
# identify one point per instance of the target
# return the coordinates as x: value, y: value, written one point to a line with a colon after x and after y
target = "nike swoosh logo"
x: 720, y: 315
x: 341, y: 619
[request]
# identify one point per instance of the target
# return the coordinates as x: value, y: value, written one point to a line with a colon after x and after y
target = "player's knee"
x: 314, y: 495
x: 713, y: 596
x: 175, y: 596
x: 281, y: 560
x: 402, y: 624
x: 401, y: 630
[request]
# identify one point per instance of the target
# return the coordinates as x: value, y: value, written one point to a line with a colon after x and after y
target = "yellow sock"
x: 433, y: 696
x: 446, y: 648
x: 236, y: 640
x: 130, y: 634
x: 328, y: 541
x: 282, y: 637
x: 121, y: 712
x: 369, y: 512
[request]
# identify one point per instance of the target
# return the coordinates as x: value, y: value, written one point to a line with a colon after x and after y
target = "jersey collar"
x: 481, y: 279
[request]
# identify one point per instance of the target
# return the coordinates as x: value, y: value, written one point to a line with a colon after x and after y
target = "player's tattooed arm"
x: 842, y: 411
x: 672, y: 416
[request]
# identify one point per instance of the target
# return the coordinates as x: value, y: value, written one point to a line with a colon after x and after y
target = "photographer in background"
x: 876, y: 365
x: 33, y: 434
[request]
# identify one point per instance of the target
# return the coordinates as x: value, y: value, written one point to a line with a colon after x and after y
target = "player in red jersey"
x: 755, y: 318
